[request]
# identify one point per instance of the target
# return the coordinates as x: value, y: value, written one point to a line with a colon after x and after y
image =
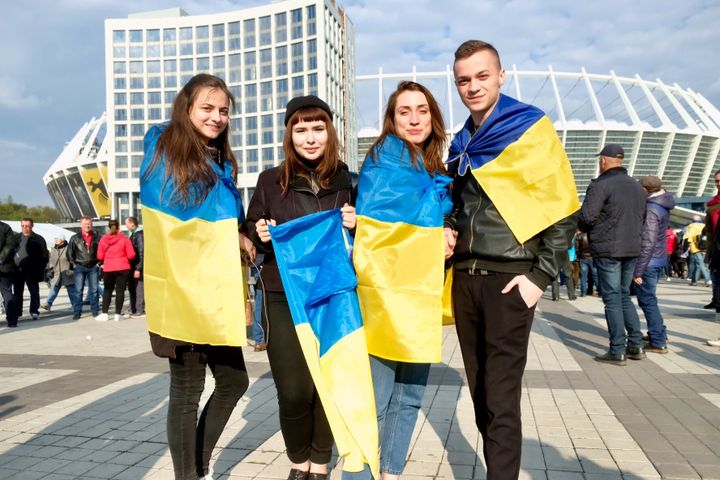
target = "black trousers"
x: 114, y: 281
x: 191, y: 441
x: 493, y: 331
x: 7, y: 280
x: 303, y: 423
x: 19, y: 289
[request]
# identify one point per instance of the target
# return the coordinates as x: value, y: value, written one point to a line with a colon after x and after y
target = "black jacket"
x: 8, y: 242
x: 33, y: 265
x: 78, y: 252
x: 613, y: 213
x: 270, y: 202
x: 138, y: 242
x: 486, y: 242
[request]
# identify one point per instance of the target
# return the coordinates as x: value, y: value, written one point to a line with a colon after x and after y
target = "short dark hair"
x: 132, y: 220
x: 471, y: 47
x: 28, y: 219
x: 113, y: 222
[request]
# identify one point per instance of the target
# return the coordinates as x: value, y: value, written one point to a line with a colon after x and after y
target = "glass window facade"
x: 265, y: 57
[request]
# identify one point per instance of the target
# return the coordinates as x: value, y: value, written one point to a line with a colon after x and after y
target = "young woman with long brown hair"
x: 312, y: 178
x: 399, y: 253
x: 192, y: 269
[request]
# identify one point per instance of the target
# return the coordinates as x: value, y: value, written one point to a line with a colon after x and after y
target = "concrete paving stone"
x: 75, y: 453
x: 77, y: 468
x: 464, y: 472
x: 676, y: 470
x: 707, y: 472
x: 106, y: 470
x: 637, y: 468
x: 49, y: 465
x: 562, y: 459
x: 533, y: 475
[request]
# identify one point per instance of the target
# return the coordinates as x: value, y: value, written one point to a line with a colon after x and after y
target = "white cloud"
x: 14, y: 146
x: 13, y: 94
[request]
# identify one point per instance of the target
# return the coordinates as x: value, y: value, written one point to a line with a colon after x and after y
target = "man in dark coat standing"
x: 613, y: 214
x: 653, y: 259
x: 31, y: 258
x: 8, y: 272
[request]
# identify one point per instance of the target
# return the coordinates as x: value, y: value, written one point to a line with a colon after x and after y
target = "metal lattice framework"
x: 666, y: 130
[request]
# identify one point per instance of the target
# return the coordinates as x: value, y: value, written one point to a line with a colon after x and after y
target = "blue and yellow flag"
x: 192, y: 272
x: 320, y: 283
x: 518, y: 159
x: 399, y: 254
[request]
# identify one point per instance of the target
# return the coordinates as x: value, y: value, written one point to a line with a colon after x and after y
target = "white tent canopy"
x: 46, y: 230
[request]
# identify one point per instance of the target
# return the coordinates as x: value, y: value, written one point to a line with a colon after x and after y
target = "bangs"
x: 309, y: 114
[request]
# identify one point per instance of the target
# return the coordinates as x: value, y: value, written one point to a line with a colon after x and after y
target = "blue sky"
x: 52, y: 75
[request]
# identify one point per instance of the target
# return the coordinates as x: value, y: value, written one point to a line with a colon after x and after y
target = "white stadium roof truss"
x: 667, y: 130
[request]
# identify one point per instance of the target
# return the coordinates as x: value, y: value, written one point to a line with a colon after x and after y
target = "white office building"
x: 266, y: 55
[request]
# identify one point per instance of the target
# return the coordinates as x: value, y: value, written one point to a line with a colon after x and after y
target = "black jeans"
x: 191, y: 442
x: 34, y: 290
x: 303, y: 423
x: 493, y: 331
x: 7, y: 281
x: 114, y: 281
x: 136, y: 289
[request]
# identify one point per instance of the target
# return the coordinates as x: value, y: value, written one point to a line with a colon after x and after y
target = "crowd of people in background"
x: 77, y: 264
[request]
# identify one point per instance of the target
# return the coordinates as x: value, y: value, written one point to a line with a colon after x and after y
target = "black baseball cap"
x: 303, y: 102
x: 612, y: 150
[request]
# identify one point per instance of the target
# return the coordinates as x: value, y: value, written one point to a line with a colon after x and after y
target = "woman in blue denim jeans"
x: 402, y: 175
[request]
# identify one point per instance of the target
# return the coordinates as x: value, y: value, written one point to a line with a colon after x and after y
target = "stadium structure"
x: 266, y: 54
x: 270, y: 53
x: 665, y: 129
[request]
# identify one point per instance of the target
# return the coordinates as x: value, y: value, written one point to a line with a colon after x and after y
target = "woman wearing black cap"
x: 311, y: 179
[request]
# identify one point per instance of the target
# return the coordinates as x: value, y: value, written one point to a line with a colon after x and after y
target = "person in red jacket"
x: 115, y: 251
x: 670, y: 241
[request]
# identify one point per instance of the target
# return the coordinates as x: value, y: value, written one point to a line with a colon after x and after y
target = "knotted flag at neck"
x: 519, y: 161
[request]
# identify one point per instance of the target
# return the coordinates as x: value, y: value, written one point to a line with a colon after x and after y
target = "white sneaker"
x: 34, y: 316
x: 116, y: 318
x: 103, y: 317
x: 127, y: 315
x: 714, y: 343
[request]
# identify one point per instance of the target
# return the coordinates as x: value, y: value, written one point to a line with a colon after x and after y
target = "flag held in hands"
x: 320, y: 283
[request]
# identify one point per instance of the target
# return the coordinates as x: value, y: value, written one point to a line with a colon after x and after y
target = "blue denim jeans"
x: 56, y: 289
x: 83, y: 274
x: 698, y: 267
x: 399, y: 389
x: 586, y: 266
x: 258, y: 332
x: 647, y: 299
x: 615, y: 276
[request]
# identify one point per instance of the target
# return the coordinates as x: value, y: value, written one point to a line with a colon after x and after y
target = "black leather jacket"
x: 138, y: 242
x: 78, y: 252
x: 8, y: 242
x: 485, y: 242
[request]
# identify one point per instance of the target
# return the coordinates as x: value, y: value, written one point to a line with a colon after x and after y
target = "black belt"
x: 476, y: 271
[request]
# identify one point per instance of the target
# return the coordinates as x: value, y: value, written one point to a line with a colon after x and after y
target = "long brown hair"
x: 185, y: 150
x: 328, y: 165
x: 434, y: 146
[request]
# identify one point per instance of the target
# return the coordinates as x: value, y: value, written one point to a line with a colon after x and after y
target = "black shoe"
x: 296, y: 474
x: 613, y: 359
x: 710, y: 306
x: 76, y: 316
x: 12, y: 325
x: 574, y: 297
x: 635, y: 353
x: 555, y: 299
x: 318, y: 476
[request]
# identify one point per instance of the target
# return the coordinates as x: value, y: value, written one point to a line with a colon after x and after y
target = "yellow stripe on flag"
x: 400, y: 287
x: 193, y: 280
x: 531, y: 183
x: 355, y: 427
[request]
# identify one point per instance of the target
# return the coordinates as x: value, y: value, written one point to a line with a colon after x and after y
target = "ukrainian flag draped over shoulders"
x: 192, y: 270
x: 320, y: 283
x: 518, y: 159
x: 399, y: 254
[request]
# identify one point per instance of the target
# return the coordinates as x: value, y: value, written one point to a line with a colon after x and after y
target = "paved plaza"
x: 87, y: 400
